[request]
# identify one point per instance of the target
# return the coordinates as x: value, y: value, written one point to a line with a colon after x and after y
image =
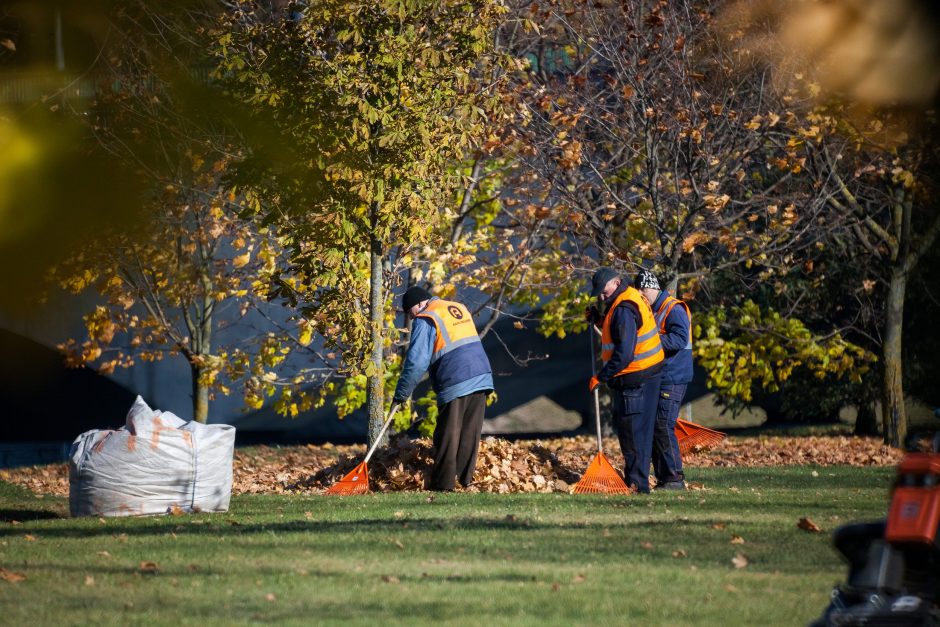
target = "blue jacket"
x: 677, y: 341
x: 460, y: 372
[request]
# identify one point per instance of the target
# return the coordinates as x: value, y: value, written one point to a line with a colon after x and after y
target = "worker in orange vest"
x: 444, y: 340
x: 675, y: 332
x: 633, y: 360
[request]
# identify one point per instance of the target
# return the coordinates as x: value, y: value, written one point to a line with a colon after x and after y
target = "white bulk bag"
x: 155, y: 463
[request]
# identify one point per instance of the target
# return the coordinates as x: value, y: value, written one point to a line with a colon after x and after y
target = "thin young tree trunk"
x: 202, y: 342
x: 200, y: 395
x: 893, y: 415
x: 376, y: 404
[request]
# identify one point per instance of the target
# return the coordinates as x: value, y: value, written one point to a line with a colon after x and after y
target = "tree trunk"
x: 376, y: 379
x: 866, y: 422
x: 200, y: 395
x: 893, y: 415
x: 202, y: 345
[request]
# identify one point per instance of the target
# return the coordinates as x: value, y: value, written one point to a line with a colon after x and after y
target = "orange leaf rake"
x: 356, y: 481
x: 692, y: 436
x: 600, y: 476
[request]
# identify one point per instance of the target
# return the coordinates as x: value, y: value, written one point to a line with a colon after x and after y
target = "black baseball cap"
x: 601, y: 278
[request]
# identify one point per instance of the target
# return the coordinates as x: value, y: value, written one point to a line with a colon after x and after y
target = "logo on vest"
x: 455, y: 312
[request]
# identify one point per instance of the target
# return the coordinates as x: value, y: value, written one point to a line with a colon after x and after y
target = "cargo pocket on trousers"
x: 632, y: 401
x: 668, y: 406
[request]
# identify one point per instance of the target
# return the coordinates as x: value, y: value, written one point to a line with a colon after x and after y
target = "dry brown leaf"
x: 679, y: 553
x: 308, y: 515
x: 149, y: 568
x: 739, y: 560
x: 89, y: 580
x: 270, y: 597
x: 719, y: 526
x: 736, y: 539
x: 390, y: 579
x: 11, y: 576
x: 578, y: 579
x: 15, y: 522
x: 176, y: 510
x: 8, y: 44
x: 30, y: 537
x: 807, y: 524
x: 647, y: 545
x: 104, y: 554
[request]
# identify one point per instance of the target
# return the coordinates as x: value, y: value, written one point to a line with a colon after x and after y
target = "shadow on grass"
x: 23, y: 515
x: 221, y: 529
x: 195, y: 571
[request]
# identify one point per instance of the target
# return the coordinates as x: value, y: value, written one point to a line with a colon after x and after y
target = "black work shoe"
x: 671, y: 485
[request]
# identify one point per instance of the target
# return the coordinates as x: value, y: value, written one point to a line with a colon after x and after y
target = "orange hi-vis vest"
x: 648, y: 350
x: 454, y: 326
x: 665, y: 309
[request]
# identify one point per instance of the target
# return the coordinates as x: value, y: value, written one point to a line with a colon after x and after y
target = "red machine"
x: 915, y: 504
x: 894, y: 565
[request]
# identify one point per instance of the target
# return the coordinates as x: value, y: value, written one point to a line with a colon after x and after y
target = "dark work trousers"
x: 667, y: 461
x: 635, y: 417
x: 457, y: 440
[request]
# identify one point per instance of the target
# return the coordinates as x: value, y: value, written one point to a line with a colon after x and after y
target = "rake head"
x: 356, y: 481
x: 601, y: 478
x: 692, y: 436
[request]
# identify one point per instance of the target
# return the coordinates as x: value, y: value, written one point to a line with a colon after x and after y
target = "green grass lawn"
x: 662, y: 559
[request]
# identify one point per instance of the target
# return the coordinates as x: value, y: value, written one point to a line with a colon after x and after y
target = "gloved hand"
x: 593, y: 383
x: 593, y: 315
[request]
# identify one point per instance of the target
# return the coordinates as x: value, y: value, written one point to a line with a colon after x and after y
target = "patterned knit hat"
x: 646, y: 280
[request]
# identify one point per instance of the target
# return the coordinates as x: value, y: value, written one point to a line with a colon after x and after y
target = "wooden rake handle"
x: 375, y: 445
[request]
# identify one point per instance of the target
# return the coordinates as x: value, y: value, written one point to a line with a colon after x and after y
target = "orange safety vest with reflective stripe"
x: 663, y: 314
x: 648, y: 350
x: 458, y: 354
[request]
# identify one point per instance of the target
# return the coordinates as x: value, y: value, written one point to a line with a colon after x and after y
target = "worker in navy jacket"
x: 633, y: 360
x: 675, y: 331
x: 445, y: 342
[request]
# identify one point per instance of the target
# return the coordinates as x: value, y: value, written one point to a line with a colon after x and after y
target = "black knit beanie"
x: 413, y: 296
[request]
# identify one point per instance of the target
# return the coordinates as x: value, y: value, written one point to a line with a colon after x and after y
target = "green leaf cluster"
x: 747, y: 348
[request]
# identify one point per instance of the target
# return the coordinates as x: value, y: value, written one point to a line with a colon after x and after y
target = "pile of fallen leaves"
x: 798, y: 451
x: 551, y: 465
x: 502, y: 467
